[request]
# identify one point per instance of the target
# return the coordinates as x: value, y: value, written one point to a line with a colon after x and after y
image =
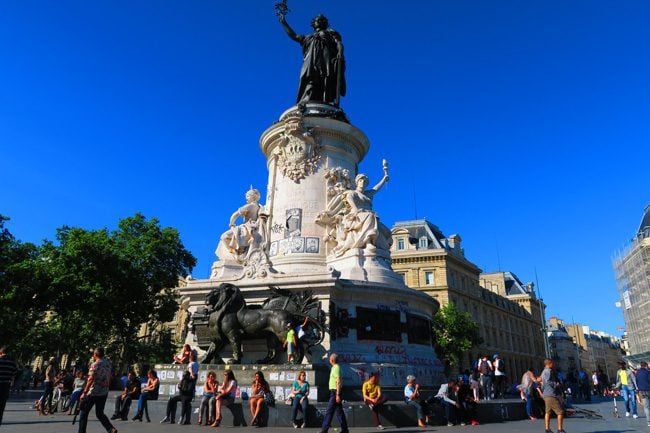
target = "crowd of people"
x: 77, y: 392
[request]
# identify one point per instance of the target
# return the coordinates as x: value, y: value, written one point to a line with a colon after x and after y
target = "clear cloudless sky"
x: 523, y: 126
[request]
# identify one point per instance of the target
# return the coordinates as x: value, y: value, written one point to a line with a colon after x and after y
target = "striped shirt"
x: 8, y: 369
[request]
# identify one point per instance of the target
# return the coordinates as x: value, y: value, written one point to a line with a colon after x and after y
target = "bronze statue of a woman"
x: 322, y: 77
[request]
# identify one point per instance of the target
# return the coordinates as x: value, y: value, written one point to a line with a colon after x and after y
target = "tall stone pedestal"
x: 374, y: 321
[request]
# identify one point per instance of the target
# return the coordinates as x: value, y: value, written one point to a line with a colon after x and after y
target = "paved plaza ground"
x: 20, y: 418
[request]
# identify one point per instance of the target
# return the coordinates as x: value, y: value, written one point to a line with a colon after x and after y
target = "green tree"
x: 105, y: 284
x: 455, y: 332
x: 23, y: 299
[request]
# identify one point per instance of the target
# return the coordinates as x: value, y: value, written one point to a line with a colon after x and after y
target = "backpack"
x: 186, y: 385
x: 483, y: 368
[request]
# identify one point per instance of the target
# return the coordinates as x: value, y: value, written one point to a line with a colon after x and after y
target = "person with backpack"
x: 485, y: 369
x: 184, y: 396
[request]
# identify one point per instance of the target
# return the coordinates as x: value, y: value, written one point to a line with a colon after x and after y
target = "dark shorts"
x: 553, y: 405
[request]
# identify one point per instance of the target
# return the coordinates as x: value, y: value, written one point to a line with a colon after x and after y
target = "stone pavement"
x: 20, y: 418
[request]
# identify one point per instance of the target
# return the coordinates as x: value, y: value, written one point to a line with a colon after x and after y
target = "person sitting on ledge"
x: 226, y: 396
x: 206, y: 411
x: 259, y: 389
x: 149, y: 392
x: 449, y: 400
x: 300, y: 393
x: 184, y: 357
x: 123, y: 401
x: 185, y: 389
x: 373, y: 398
x: 413, y: 397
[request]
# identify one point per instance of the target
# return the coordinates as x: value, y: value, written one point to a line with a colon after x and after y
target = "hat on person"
x: 496, y: 355
x: 289, y: 325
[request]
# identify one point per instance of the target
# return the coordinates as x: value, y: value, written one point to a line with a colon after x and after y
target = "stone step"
x: 393, y: 413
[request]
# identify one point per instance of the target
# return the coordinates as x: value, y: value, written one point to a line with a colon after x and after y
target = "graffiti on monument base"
x: 389, y: 359
x: 391, y: 375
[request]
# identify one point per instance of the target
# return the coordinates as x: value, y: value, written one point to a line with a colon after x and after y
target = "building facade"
x: 575, y: 346
x: 632, y: 269
x: 509, y: 316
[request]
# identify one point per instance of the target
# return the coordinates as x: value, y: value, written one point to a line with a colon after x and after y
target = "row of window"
x: 423, y: 243
x: 385, y: 325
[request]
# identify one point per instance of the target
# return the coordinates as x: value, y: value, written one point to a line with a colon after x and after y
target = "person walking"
x: 551, y: 388
x: 8, y: 370
x: 527, y: 388
x: 643, y: 385
x: 626, y: 382
x: 96, y: 392
x: 45, y: 402
x: 334, y: 404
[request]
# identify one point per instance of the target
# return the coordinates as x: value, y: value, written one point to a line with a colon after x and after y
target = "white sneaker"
x: 635, y: 416
x: 627, y: 414
x: 380, y: 427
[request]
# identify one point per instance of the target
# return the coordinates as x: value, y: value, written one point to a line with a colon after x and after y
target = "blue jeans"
x: 645, y: 400
x: 74, y: 397
x: 630, y: 399
x: 333, y: 406
x: 529, y: 402
x: 99, y: 401
x: 303, y: 406
x: 46, y: 398
x: 419, y: 408
x: 486, y: 385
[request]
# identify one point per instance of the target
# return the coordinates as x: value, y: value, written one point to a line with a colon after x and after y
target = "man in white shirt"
x: 499, y: 376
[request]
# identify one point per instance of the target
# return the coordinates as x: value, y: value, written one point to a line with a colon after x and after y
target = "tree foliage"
x: 22, y: 295
x: 97, y: 287
x: 455, y: 332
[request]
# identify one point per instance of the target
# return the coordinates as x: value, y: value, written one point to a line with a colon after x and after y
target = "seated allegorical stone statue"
x: 241, y: 240
x: 351, y: 221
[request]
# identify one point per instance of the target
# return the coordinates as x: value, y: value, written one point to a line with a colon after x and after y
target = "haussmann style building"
x: 509, y: 315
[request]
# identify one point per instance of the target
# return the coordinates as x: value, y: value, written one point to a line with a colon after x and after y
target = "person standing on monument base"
x: 290, y: 344
x: 335, y: 403
x: 499, y: 375
x: 551, y: 388
x: 8, y: 369
x: 485, y: 369
x: 96, y: 392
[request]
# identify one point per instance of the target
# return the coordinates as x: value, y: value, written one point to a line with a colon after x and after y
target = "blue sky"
x: 521, y: 125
